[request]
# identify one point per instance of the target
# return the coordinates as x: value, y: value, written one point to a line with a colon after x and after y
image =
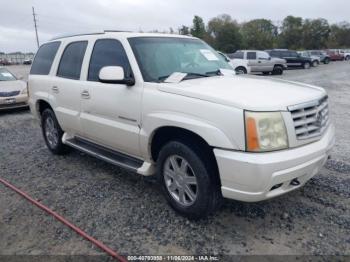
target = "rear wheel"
x: 187, y: 177
x: 326, y: 61
x: 240, y: 70
x: 307, y: 65
x: 277, y: 70
x: 347, y: 58
x: 52, y: 132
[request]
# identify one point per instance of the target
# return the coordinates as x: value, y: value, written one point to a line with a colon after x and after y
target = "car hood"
x: 246, y: 92
x: 278, y: 60
x: 9, y: 86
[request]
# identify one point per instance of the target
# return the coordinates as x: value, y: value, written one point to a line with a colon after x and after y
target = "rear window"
x: 72, y: 60
x: 44, y: 58
x: 237, y: 55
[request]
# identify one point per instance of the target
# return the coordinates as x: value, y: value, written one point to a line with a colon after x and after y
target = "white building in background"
x: 17, y: 57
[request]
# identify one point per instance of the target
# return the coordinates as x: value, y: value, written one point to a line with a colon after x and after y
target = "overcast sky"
x: 70, y: 16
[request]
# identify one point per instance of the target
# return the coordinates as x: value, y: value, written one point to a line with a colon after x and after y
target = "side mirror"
x: 115, y: 75
x: 269, y: 58
x: 20, y: 77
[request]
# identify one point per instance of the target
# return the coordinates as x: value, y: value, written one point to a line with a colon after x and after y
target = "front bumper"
x: 14, y: 102
x: 251, y: 177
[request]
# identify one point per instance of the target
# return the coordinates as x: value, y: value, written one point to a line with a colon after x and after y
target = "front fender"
x: 208, y: 131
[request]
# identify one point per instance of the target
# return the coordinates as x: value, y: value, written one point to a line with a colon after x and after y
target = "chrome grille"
x: 310, y: 119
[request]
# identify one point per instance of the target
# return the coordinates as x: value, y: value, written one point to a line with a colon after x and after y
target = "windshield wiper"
x: 216, y: 72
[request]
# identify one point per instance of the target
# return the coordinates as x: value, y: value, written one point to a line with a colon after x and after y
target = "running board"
x: 106, y: 154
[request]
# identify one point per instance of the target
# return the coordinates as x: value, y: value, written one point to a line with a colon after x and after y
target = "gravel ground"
x: 128, y: 213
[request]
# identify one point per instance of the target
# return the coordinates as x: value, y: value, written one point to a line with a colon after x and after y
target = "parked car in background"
x: 170, y: 105
x: 324, y: 58
x: 315, y: 60
x: 5, y: 62
x: 260, y: 61
x: 13, y: 91
x: 335, y: 54
x: 346, y: 54
x: 292, y: 57
x: 27, y: 62
x: 240, y: 66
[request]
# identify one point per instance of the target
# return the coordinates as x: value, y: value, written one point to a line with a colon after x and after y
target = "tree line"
x: 227, y: 35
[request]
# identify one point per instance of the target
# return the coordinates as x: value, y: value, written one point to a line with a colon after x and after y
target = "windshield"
x: 5, y: 75
x: 159, y: 57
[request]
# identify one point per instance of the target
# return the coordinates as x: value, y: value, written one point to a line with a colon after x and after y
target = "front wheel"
x: 187, y: 180
x: 277, y: 70
x: 52, y: 133
x: 326, y: 61
x: 315, y: 63
x: 307, y: 65
x: 347, y: 58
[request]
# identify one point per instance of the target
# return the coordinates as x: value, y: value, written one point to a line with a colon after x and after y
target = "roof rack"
x: 88, y: 33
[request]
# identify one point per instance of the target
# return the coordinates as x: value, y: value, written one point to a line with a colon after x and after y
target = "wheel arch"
x: 41, y: 105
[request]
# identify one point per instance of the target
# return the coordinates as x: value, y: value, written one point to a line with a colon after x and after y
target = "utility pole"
x: 36, y: 27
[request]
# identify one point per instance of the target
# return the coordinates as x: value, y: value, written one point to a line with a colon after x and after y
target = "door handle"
x: 55, y: 89
x: 85, y: 94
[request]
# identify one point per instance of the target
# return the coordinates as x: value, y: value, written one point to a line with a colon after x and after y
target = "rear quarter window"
x: 44, y: 58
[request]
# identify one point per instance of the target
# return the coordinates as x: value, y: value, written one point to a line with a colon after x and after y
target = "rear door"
x: 292, y: 58
x: 253, y: 61
x: 111, y: 113
x: 65, y: 87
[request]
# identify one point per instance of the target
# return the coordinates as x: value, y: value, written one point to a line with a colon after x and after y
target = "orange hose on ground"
x: 66, y: 222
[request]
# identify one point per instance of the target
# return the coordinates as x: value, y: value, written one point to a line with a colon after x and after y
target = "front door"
x: 111, y: 113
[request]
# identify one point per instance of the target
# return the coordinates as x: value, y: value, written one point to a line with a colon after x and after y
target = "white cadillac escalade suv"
x: 170, y: 105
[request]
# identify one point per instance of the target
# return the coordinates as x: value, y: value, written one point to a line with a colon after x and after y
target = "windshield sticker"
x: 6, y: 74
x: 175, y: 77
x: 209, y: 55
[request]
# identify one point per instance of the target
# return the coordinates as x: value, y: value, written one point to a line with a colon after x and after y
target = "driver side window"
x: 107, y: 52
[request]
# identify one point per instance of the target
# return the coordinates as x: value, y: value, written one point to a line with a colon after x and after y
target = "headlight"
x: 265, y: 131
x: 24, y: 91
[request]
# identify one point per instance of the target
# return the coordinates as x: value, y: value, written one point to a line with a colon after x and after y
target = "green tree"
x: 315, y: 33
x: 259, y: 34
x: 198, y: 28
x: 184, y: 30
x: 291, y: 32
x: 225, y: 33
x: 339, y: 36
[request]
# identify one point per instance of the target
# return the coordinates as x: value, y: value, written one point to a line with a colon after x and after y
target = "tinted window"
x: 274, y: 53
x: 251, y: 55
x: 263, y: 55
x: 44, y: 58
x: 107, y: 52
x: 72, y: 59
x: 237, y: 55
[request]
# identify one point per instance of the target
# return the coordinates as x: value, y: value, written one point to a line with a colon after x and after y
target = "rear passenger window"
x: 44, y: 58
x: 251, y: 55
x: 107, y: 52
x: 71, y: 60
x: 237, y: 55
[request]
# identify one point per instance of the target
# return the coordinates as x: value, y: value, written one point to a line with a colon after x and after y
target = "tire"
x: 277, y: 70
x: 315, y: 63
x: 52, y: 133
x: 307, y: 65
x: 201, y: 193
x: 347, y: 58
x: 241, y: 70
x: 326, y: 61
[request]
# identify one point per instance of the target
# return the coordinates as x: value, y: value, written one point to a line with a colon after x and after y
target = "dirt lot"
x: 128, y: 213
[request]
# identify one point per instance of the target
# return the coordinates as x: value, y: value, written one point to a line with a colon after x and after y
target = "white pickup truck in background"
x: 258, y: 62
